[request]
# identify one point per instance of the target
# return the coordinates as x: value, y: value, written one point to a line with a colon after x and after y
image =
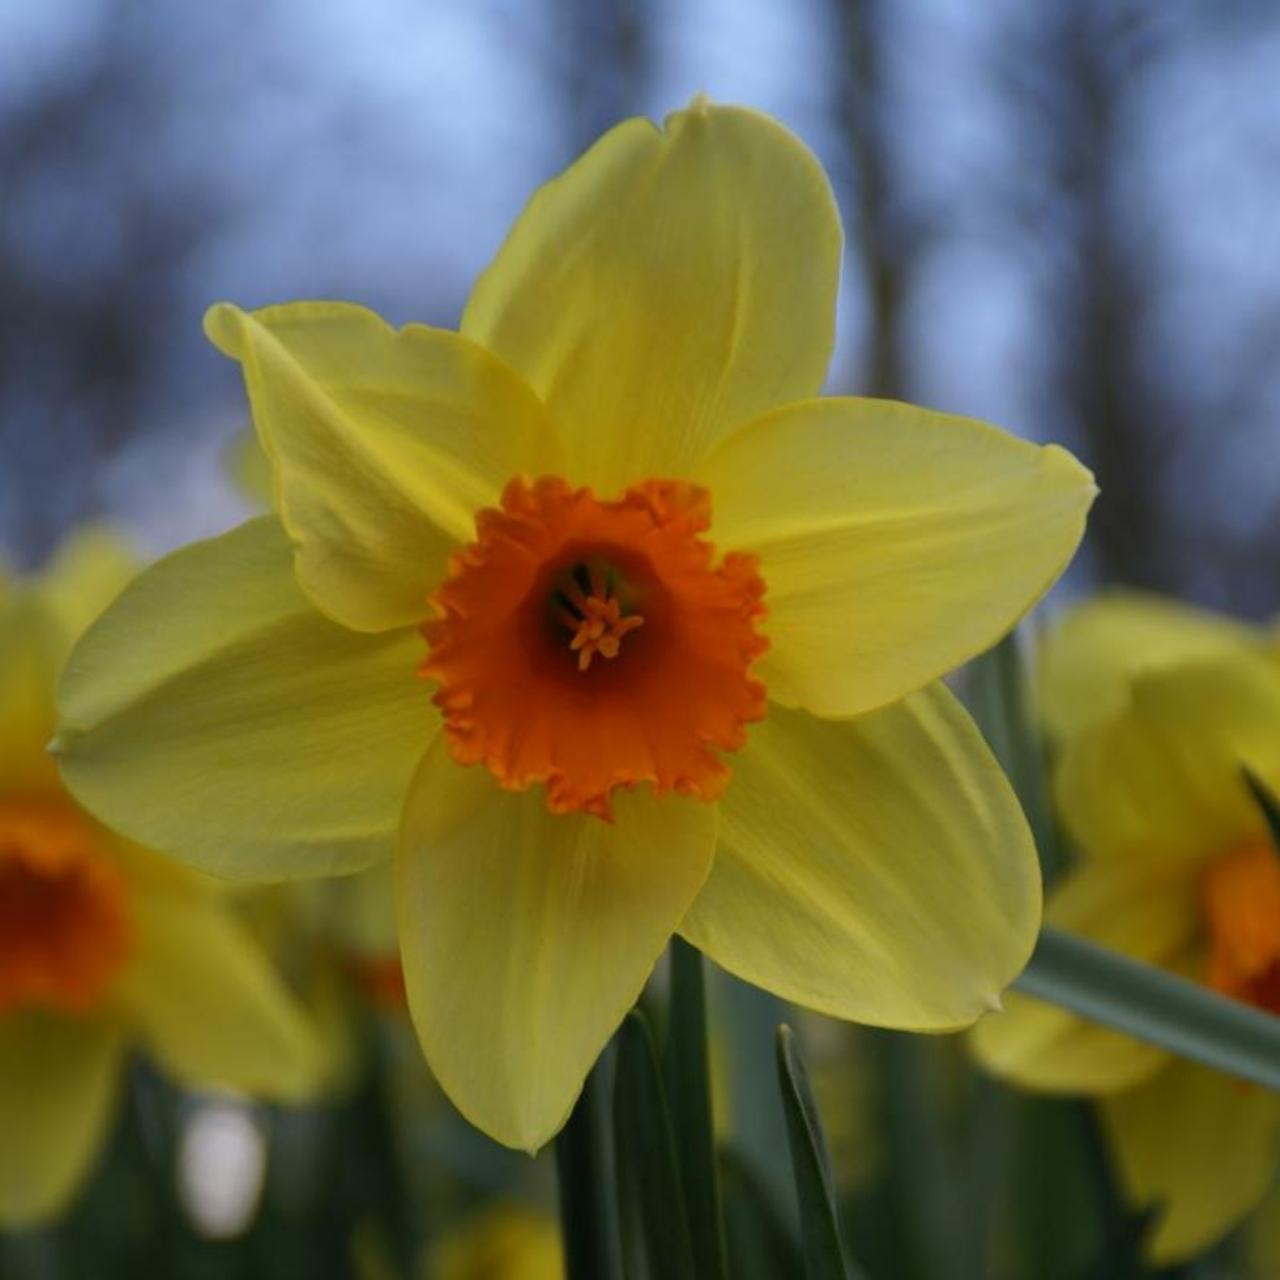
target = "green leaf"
x: 1153, y: 1005
x: 748, y: 1018
x: 1266, y: 801
x: 760, y: 1246
x: 1064, y: 1215
x: 655, y: 1227
x: 917, y: 1219
x: 999, y: 697
x: 688, y: 1079
x: 587, y: 1213
x: 819, y: 1229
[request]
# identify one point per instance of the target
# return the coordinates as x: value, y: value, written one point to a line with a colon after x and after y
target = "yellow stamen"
x: 602, y: 626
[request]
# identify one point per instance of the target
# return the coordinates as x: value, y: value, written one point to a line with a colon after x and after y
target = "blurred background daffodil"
x: 502, y: 1242
x: 106, y: 948
x: 1160, y: 712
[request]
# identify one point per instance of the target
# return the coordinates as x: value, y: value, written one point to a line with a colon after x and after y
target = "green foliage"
x: 1000, y: 698
x: 655, y: 1225
x: 588, y: 1217
x: 815, y: 1192
x: 687, y: 1074
x: 1153, y: 1005
x: 1266, y: 801
x: 760, y: 1244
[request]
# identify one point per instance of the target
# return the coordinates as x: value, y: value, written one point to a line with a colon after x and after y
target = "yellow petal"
x: 666, y: 288
x: 59, y: 1082
x: 1145, y: 907
x: 1260, y: 1254
x: 1163, y: 776
x: 1199, y: 1147
x: 895, y: 543
x: 207, y: 1004
x: 526, y: 935
x: 383, y: 442
x: 31, y: 645
x: 86, y: 574
x: 877, y: 869
x: 39, y: 620
x: 249, y: 469
x: 1039, y: 1046
x: 212, y: 712
x: 1089, y: 658
x: 505, y: 1242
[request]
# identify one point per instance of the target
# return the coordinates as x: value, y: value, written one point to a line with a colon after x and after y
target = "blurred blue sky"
x: 155, y: 158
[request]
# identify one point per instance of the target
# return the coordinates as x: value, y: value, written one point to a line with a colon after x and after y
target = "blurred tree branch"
x: 606, y: 59
x: 94, y: 234
x: 862, y: 115
x: 1103, y: 377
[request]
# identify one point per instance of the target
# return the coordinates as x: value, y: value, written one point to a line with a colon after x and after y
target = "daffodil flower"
x: 104, y: 947
x: 503, y: 1242
x: 607, y: 625
x: 1088, y: 660
x: 1179, y: 870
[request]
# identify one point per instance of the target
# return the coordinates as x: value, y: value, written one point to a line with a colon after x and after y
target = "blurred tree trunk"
x: 81, y: 329
x: 606, y: 54
x: 1106, y: 385
x: 862, y: 117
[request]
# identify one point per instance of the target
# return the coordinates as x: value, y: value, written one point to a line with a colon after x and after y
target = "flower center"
x: 590, y: 645
x: 1241, y: 898
x: 595, y: 621
x: 381, y: 979
x: 64, y: 926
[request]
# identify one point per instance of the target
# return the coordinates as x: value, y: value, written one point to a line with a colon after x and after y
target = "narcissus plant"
x: 105, y: 947
x: 607, y: 626
x: 1179, y: 869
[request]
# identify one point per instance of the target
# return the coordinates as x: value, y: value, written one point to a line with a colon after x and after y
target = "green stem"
x: 688, y: 1080
x: 1122, y: 1229
x: 587, y: 1219
x: 1155, y: 1006
x: 1000, y: 700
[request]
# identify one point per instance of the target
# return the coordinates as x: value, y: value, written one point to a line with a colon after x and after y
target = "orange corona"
x: 592, y: 644
x: 64, y: 924
x: 1241, y: 895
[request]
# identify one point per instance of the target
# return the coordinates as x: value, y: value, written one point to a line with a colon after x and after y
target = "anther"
x: 596, y: 620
